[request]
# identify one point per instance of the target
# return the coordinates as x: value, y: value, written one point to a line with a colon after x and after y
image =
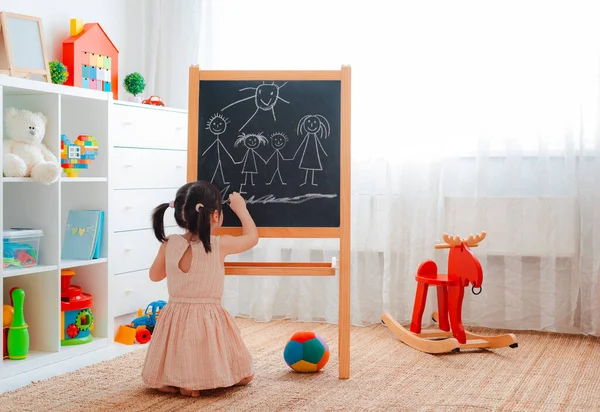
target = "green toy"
x: 18, y: 331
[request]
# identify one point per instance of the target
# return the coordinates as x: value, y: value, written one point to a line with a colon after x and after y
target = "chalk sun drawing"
x: 265, y: 97
x: 278, y: 142
x: 251, y: 141
x: 217, y: 124
x: 313, y: 127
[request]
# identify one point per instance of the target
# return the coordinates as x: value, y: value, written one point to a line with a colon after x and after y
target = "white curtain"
x: 466, y: 116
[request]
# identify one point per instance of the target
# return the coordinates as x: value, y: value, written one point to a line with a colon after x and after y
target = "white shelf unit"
x: 24, y: 203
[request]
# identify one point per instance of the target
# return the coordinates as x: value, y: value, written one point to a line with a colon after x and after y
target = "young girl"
x: 196, y: 344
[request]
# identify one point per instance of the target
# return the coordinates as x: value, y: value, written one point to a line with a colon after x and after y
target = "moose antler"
x: 473, y: 241
x: 453, y: 241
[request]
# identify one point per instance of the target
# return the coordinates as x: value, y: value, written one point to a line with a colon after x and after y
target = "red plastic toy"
x: 464, y: 269
x: 154, y: 100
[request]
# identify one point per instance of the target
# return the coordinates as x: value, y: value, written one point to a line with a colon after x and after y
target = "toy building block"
x: 77, y: 155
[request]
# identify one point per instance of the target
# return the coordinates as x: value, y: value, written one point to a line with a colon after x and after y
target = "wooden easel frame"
x: 342, y: 232
x: 12, y: 70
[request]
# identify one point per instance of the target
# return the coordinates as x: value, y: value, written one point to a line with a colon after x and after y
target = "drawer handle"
x: 127, y: 123
x: 128, y: 165
x: 128, y: 207
x: 179, y: 167
x: 179, y: 128
x: 128, y: 249
x: 128, y: 291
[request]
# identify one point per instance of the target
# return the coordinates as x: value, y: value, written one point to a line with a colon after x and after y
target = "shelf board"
x: 82, y: 179
x: 8, y: 273
x: 62, y: 179
x: 150, y: 106
x: 35, y: 359
x: 76, y: 350
x: 38, y: 359
x: 19, y: 86
x: 67, y: 263
x: 17, y: 180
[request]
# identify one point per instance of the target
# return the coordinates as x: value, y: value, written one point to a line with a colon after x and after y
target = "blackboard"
x: 278, y: 144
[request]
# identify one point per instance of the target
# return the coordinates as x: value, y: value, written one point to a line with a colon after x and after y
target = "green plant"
x: 134, y: 83
x: 58, y: 72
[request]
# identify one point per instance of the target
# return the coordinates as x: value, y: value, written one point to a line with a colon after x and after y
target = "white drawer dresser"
x: 148, y: 165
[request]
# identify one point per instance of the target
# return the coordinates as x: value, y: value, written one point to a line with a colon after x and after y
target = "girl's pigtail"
x: 158, y: 217
x: 204, y: 226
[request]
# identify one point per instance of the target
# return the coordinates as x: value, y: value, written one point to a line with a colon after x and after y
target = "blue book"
x: 99, y: 235
x: 81, y: 234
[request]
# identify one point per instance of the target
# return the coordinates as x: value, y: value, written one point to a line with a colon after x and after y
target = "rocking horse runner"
x: 463, y: 269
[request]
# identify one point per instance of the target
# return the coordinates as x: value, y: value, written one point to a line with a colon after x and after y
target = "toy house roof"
x: 86, y: 29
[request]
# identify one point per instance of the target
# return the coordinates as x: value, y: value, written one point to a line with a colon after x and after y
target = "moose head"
x: 462, y: 263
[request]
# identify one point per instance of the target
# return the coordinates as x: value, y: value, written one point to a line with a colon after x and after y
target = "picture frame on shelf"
x: 22, y: 49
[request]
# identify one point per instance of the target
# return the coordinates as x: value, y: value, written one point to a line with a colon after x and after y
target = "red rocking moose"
x: 463, y: 269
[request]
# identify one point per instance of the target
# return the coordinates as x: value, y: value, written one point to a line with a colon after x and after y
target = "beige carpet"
x: 546, y: 372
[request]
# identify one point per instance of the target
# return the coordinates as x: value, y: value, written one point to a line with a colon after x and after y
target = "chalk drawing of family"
x: 313, y: 127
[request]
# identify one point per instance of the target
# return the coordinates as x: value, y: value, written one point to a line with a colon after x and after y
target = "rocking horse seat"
x: 437, y: 280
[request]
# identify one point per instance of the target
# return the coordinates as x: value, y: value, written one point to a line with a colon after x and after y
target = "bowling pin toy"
x: 18, y: 331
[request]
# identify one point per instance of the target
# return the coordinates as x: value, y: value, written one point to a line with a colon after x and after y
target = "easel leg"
x: 442, y: 297
x: 455, y: 300
x: 344, y: 311
x: 419, y: 307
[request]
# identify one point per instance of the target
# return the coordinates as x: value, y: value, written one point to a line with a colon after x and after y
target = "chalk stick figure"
x: 251, y: 141
x: 278, y: 142
x: 217, y: 125
x: 313, y: 127
x: 265, y: 97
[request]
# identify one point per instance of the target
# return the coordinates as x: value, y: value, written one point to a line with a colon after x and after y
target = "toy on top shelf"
x: 463, y: 269
x: 140, y: 329
x: 154, y: 101
x: 25, y: 155
x: 134, y: 83
x: 77, y: 320
x: 58, y: 72
x: 78, y: 155
x: 17, y: 339
x: 91, y: 58
x: 20, y: 248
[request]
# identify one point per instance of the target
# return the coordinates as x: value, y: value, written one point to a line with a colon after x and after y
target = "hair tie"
x: 198, y: 206
x: 172, y: 204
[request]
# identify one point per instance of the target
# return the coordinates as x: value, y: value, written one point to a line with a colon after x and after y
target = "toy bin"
x: 21, y: 248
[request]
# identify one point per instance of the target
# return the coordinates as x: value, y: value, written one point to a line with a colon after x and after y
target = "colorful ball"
x: 306, y: 352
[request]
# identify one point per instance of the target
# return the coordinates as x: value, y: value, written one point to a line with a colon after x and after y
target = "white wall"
x: 117, y: 17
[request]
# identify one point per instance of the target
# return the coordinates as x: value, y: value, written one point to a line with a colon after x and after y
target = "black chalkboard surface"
x: 278, y: 144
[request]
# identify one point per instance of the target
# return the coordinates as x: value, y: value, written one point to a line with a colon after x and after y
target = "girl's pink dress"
x: 196, y: 344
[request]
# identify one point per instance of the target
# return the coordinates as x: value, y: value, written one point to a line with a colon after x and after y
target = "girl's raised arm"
x: 237, y: 244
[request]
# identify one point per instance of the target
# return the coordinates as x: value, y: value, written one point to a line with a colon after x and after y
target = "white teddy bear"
x: 24, y: 153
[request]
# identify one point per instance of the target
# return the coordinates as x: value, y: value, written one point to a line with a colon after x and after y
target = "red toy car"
x: 154, y: 100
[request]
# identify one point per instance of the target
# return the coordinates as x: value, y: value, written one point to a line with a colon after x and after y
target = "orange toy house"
x: 91, y: 59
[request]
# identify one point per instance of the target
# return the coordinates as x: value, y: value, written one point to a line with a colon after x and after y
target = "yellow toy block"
x: 76, y: 27
x: 99, y: 61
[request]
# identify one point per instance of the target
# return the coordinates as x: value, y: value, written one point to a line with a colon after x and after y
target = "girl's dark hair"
x: 194, y: 204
